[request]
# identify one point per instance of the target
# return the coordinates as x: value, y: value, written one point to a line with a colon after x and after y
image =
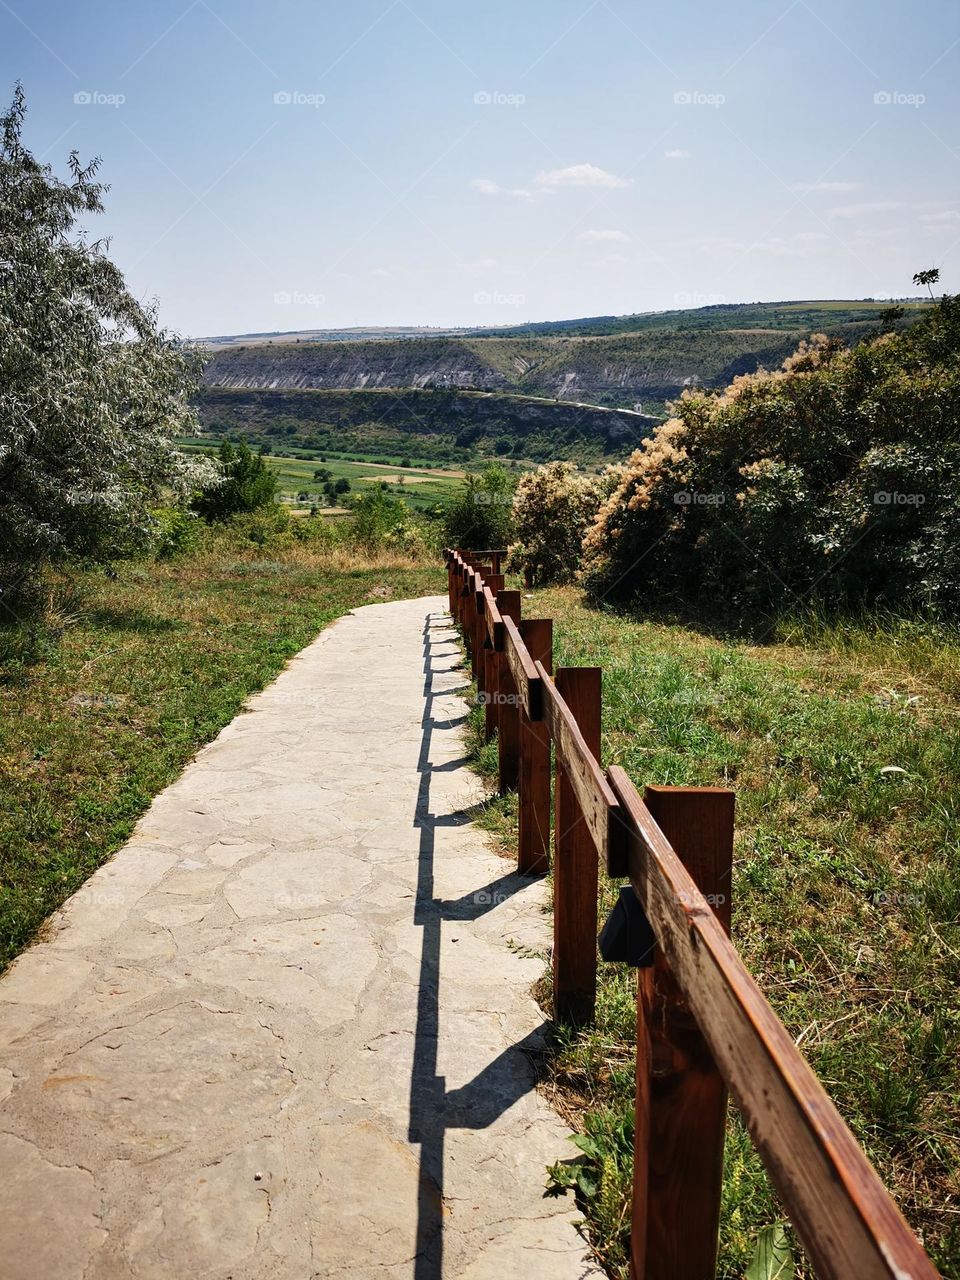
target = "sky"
x: 304, y: 164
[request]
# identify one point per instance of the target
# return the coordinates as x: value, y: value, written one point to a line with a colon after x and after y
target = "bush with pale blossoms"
x: 552, y: 509
x: 836, y: 477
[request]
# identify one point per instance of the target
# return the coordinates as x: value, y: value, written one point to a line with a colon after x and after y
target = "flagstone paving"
x: 287, y: 1031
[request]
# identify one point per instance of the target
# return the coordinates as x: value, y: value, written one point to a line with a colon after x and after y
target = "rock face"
x: 287, y: 1031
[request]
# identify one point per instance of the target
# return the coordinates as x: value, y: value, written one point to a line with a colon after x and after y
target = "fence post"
x: 491, y: 710
x: 478, y: 637
x: 508, y: 718
x: 575, y: 864
x: 534, y: 818
x: 681, y: 1096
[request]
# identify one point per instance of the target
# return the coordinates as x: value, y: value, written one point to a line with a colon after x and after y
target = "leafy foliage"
x: 245, y: 483
x: 92, y: 392
x: 552, y: 509
x: 837, y: 477
x: 601, y: 1179
x: 482, y: 515
x: 773, y: 1259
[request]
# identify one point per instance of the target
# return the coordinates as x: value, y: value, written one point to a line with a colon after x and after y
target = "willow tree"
x: 93, y: 392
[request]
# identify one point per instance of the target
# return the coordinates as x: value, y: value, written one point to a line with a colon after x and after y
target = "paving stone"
x: 286, y: 1032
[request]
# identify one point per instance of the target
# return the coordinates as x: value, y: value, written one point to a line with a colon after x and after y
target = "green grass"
x: 422, y: 486
x: 103, y: 705
x: 846, y: 894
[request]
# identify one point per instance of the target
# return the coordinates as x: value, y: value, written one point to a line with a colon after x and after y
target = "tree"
x: 342, y: 486
x: 481, y: 518
x: 929, y: 277
x: 92, y: 392
x: 552, y: 509
x: 245, y: 483
x: 322, y: 475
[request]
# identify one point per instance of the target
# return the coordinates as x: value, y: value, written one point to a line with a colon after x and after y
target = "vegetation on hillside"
x: 456, y: 396
x: 836, y: 477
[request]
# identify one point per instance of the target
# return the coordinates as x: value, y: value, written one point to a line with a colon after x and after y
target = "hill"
x: 637, y: 362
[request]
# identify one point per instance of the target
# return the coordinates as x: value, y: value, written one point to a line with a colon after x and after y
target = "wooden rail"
x: 703, y: 1025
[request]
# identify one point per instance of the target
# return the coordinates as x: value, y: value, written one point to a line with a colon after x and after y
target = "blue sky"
x: 305, y: 165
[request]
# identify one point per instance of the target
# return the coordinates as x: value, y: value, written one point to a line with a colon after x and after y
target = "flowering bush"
x: 836, y: 476
x: 552, y: 509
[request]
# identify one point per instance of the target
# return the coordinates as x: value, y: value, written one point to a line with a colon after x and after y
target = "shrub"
x: 376, y: 516
x: 836, y: 477
x: 552, y: 509
x: 481, y: 517
x: 177, y: 533
x: 245, y: 484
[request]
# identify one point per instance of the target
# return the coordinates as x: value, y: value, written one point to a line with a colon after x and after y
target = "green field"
x: 421, y: 487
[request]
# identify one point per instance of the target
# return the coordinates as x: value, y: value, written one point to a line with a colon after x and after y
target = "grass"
x: 843, y: 745
x: 103, y: 704
x: 421, y: 487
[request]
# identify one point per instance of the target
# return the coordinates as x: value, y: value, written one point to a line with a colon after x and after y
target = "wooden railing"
x: 703, y: 1025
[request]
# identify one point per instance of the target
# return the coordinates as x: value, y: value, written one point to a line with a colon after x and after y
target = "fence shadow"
x: 433, y: 1108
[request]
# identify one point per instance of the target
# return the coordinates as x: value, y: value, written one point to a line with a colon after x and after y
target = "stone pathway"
x: 284, y: 1033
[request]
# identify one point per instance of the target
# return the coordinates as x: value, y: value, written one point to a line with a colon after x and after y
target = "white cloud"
x: 600, y: 234
x: 678, y: 154
x: 488, y: 188
x: 580, y: 175
x: 941, y: 219
x: 859, y: 210
x: 826, y: 186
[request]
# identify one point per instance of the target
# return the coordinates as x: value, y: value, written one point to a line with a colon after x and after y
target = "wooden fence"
x: 703, y: 1026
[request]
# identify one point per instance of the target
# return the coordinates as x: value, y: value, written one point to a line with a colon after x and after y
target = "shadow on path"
x: 434, y: 1109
